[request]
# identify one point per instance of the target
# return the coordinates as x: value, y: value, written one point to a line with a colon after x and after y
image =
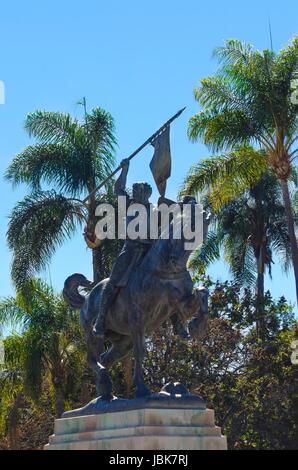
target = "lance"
x: 148, y: 141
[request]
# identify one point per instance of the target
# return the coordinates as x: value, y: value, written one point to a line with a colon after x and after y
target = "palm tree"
x: 72, y: 158
x: 12, y: 388
x: 249, y: 229
x: 249, y: 100
x: 50, y: 337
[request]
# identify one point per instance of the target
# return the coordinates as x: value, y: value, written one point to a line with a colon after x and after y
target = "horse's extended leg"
x: 178, y: 327
x: 196, y: 306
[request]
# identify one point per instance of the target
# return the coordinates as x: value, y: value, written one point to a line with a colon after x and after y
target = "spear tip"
x: 181, y: 111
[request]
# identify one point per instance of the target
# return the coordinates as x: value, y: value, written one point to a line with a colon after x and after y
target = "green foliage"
x: 249, y: 230
x: 72, y: 158
x: 38, y: 224
x: 250, y: 383
x: 49, y: 345
x: 226, y: 176
x: 71, y: 154
x: 248, y: 100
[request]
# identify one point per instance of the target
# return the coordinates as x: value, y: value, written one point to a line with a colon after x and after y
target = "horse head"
x: 178, y: 237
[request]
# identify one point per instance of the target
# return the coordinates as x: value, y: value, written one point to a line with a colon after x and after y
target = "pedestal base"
x: 140, y: 429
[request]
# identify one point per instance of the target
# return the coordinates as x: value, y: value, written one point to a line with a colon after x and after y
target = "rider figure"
x: 132, y: 252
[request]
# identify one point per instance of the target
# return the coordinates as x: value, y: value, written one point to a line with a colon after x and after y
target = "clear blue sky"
x: 139, y: 60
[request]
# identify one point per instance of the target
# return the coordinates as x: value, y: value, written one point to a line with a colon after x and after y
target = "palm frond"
x: 12, y: 316
x: 222, y: 130
x: 226, y: 176
x: 52, y: 127
x: 100, y: 129
x: 15, y: 350
x: 37, y: 163
x: 217, y: 92
x: 38, y: 224
x: 73, y: 156
x: 233, y: 52
x: 209, y: 252
x: 240, y: 257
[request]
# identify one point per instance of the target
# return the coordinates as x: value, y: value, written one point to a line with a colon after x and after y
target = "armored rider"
x: 132, y: 252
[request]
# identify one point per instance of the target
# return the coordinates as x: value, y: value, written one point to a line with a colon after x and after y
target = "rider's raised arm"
x: 120, y: 184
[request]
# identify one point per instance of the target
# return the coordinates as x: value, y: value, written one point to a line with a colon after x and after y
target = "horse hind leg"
x: 95, y: 347
x: 118, y: 351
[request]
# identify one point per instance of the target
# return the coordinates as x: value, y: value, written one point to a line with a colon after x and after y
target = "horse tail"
x: 70, y: 290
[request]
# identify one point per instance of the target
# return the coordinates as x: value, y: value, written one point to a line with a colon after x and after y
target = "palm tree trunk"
x: 260, y: 320
x: 103, y: 255
x: 102, y: 264
x: 13, y: 421
x: 96, y: 252
x: 291, y: 230
x: 57, y: 374
x: 59, y: 401
x: 95, y: 267
x: 128, y: 374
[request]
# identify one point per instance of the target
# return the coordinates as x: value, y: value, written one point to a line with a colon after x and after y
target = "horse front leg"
x: 138, y: 333
x: 139, y: 352
x: 199, y: 305
x: 179, y: 327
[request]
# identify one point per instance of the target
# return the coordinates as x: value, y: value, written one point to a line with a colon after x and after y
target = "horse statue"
x: 158, y: 288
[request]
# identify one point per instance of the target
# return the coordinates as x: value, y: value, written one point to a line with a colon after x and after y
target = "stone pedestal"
x: 140, y: 429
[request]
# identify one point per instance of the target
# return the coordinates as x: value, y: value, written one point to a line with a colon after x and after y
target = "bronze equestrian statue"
x: 149, y: 284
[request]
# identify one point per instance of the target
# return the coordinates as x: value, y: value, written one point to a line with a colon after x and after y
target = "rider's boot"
x: 107, y: 299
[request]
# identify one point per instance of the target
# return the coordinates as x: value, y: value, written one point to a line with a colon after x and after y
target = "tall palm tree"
x: 50, y: 339
x: 71, y: 158
x: 249, y: 229
x: 249, y: 100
